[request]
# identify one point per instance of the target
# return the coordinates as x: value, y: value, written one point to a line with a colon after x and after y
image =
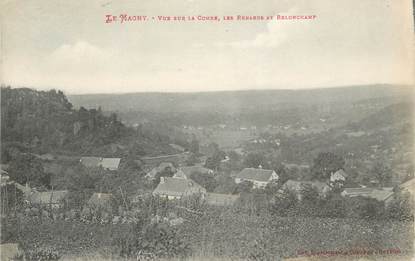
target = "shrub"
x: 40, y: 254
x: 8, y: 230
x: 366, y: 208
x: 157, y: 239
x: 163, y: 241
x: 400, y: 208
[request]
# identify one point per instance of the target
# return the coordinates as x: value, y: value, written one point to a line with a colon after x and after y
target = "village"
x: 207, y: 130
x: 164, y: 188
x: 173, y: 180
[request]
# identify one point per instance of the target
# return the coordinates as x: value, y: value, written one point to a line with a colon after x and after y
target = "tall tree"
x: 206, y: 181
x: 255, y: 160
x: 325, y: 164
x: 213, y: 162
x: 382, y: 173
x: 194, y: 146
x: 26, y: 168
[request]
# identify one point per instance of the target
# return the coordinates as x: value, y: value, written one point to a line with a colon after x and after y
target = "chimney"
x: 161, y: 180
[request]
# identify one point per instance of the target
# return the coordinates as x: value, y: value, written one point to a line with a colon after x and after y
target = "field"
x: 197, y: 258
x: 226, y: 235
x: 264, y: 238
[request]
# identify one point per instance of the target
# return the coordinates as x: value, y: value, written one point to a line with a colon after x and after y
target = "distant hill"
x: 390, y: 116
x: 234, y: 101
x: 255, y: 107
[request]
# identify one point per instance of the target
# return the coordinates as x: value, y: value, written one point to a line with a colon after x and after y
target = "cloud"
x: 81, y: 54
x: 276, y: 33
x: 350, y: 42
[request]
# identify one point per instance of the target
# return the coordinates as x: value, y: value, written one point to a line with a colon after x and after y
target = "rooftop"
x: 341, y: 172
x: 48, y: 197
x: 409, y: 184
x: 110, y: 163
x: 90, y: 161
x: 176, y: 186
x: 163, y: 166
x: 375, y: 193
x: 106, y: 163
x: 295, y: 185
x: 100, y: 199
x: 255, y: 174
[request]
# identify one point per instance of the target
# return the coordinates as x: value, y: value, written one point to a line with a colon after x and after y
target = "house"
x: 164, y: 166
x: 3, y: 170
x: 106, y: 163
x: 216, y: 199
x: 90, y: 162
x: 226, y: 159
x: 381, y: 194
x: 151, y: 175
x: 177, y: 188
x: 356, y: 192
x: 4, y: 178
x: 11, y: 251
x: 46, y: 157
x: 338, y: 178
x: 26, y: 190
x: 409, y: 186
x: 384, y: 195
x: 110, y: 163
x: 100, y: 201
x: 339, y: 175
x: 298, y: 186
x: 53, y: 199
x: 259, y: 177
x: 177, y: 147
x: 180, y: 175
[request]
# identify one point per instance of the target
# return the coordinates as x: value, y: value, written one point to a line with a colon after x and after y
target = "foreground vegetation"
x: 248, y: 230
x: 221, y: 235
x: 263, y: 224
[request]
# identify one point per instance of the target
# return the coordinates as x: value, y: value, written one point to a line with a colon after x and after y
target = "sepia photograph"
x: 207, y: 130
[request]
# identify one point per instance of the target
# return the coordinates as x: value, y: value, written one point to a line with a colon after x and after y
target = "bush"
x: 154, y: 239
x: 9, y: 230
x: 251, y: 237
x: 40, y: 254
x: 206, y: 181
x: 365, y: 208
x: 400, y: 208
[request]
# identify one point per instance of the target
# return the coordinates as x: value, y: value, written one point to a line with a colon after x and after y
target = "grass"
x: 98, y: 257
x: 220, y: 236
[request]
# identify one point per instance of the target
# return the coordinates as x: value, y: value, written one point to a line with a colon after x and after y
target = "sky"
x: 68, y: 46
